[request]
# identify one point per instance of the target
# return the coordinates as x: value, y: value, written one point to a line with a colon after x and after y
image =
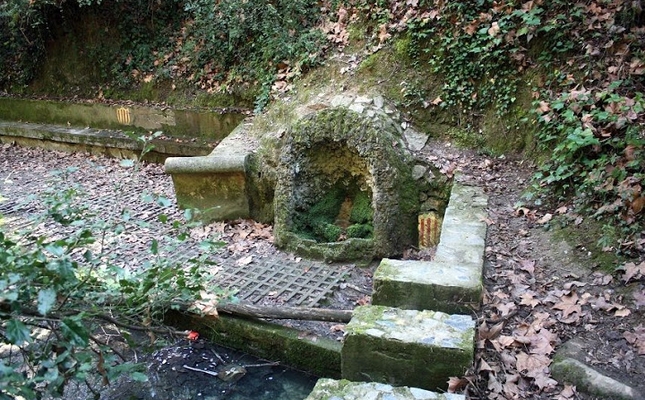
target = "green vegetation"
x: 586, y: 68
x: 320, y: 221
x: 61, y: 296
x: 214, y: 46
x: 561, y: 81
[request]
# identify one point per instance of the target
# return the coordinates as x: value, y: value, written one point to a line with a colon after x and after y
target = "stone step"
x: 330, y: 389
x: 407, y: 347
x: 452, y: 281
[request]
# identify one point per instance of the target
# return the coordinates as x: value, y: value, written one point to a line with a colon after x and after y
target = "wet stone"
x: 329, y: 389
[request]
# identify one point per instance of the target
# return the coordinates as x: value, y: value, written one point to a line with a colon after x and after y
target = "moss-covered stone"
x: 362, y: 212
x: 407, y: 347
x: 336, y: 154
x: 329, y: 389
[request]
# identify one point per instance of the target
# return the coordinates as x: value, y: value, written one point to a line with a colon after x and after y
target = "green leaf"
x: 17, y: 333
x: 154, y: 247
x: 163, y: 201
x: 138, y: 376
x: 127, y: 163
x: 55, y: 250
x: 46, y: 300
x: 74, y: 331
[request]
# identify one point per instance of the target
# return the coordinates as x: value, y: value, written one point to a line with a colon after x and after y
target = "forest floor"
x: 540, y: 290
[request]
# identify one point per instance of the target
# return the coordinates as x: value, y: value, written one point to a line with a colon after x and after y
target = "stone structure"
x: 407, y: 347
x: 329, y: 389
x: 451, y: 282
x: 339, y: 179
x: 339, y: 150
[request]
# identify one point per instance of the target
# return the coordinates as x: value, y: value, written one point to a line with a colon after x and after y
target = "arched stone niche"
x: 339, y: 160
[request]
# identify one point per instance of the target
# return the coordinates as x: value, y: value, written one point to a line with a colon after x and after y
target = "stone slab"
x: 215, y: 184
x: 427, y: 285
x: 407, y: 347
x: 330, y: 389
x: 452, y: 281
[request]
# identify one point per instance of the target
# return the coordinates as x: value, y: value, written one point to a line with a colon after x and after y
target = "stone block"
x: 407, y: 347
x: 329, y: 389
x: 428, y: 285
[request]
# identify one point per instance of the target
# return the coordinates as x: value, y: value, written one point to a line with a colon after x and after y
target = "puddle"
x: 197, y: 124
x: 173, y: 374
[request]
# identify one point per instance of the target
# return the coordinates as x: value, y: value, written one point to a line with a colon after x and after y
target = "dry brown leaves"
x: 527, y: 313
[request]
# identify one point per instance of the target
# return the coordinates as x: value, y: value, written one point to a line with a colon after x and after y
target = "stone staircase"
x: 419, y: 331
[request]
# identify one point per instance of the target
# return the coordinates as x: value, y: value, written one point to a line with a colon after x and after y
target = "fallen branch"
x: 283, y: 312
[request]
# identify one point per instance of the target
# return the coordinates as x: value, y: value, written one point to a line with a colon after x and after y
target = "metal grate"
x: 274, y: 279
x: 280, y: 281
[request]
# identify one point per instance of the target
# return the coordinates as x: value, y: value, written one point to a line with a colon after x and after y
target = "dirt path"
x: 540, y: 293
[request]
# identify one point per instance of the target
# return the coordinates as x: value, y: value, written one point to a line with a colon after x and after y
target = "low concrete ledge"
x: 568, y: 367
x: 452, y: 281
x: 427, y: 285
x: 329, y: 389
x: 407, y: 347
x: 94, y: 141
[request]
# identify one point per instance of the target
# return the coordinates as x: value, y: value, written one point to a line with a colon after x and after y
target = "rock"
x: 379, y: 102
x: 418, y: 171
x: 329, y: 389
x: 407, y: 347
x: 357, y: 107
x: 341, y: 100
x: 363, y: 100
x: 416, y: 140
x: 567, y: 368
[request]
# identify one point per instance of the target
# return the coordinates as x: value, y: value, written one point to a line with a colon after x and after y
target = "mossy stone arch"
x: 338, y: 149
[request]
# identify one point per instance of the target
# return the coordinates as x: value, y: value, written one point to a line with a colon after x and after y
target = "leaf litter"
x: 540, y: 292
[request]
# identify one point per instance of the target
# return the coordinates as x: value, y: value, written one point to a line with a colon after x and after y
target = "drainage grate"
x: 274, y: 279
x: 280, y: 281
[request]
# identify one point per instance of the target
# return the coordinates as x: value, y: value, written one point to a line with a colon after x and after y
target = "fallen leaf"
x: 622, y: 313
x: 633, y: 271
x: 532, y: 364
x: 456, y: 384
x: 637, y: 338
x: 569, y: 392
x: 546, y: 218
x: 568, y: 305
x: 528, y: 299
x: 244, y: 261
x: 569, y: 285
x: 337, y: 328
x: 505, y: 308
x: 490, y: 333
x: 494, y: 29
x: 561, y: 210
x: 483, y: 366
x: 528, y: 266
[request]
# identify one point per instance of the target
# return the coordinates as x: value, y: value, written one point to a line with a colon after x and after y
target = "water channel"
x: 205, y: 125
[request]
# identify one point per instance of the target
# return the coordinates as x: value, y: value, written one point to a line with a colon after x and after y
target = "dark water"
x: 168, y: 379
x: 198, y: 124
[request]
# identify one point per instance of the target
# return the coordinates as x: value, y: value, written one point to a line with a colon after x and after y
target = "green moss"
x: 362, y: 212
x: 326, y: 231
x: 363, y: 231
x: 319, y: 356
